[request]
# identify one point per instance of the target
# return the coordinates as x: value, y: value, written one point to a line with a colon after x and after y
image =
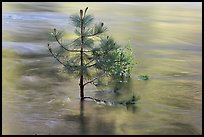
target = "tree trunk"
x: 81, y: 88
x: 81, y: 73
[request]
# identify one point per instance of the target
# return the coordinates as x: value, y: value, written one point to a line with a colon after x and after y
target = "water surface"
x: 167, y: 45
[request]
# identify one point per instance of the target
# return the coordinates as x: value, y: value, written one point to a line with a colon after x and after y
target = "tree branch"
x: 69, y: 49
x: 96, y: 99
x: 94, y: 79
x: 89, y: 62
x: 91, y: 65
x: 93, y: 34
x: 55, y: 56
x: 64, y: 47
x: 61, y: 61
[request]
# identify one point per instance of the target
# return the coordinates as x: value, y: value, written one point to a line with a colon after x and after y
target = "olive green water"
x: 167, y: 45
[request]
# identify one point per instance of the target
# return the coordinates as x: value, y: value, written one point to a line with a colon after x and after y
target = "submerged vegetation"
x: 93, y: 57
x: 143, y: 77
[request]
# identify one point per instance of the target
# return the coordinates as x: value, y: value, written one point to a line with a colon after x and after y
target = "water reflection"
x: 166, y: 41
x: 91, y: 123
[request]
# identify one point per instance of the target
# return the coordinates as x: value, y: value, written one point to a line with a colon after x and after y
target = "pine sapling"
x: 93, y: 57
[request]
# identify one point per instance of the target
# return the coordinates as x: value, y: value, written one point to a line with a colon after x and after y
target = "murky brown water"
x: 167, y: 44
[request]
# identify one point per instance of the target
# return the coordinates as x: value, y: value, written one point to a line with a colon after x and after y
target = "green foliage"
x: 100, y: 61
x: 76, y: 21
x: 88, y: 20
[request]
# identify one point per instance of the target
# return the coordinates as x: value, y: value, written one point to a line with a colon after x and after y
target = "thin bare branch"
x: 59, y: 59
x: 69, y: 49
x: 96, y: 99
x: 90, y: 62
x: 64, y: 47
x: 91, y: 65
x: 55, y: 56
x: 93, y: 34
x: 95, y: 79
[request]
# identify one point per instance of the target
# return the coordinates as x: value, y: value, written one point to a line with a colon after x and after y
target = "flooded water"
x: 167, y: 45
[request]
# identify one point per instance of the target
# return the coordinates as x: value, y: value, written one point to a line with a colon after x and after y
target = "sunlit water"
x: 167, y: 45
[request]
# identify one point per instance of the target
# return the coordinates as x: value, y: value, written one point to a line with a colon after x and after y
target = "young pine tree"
x: 93, y: 57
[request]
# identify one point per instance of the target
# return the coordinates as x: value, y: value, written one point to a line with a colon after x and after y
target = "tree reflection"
x: 90, y: 124
x: 132, y: 108
x: 82, y: 123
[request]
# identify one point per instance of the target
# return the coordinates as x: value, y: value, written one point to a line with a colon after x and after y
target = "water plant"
x: 143, y: 77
